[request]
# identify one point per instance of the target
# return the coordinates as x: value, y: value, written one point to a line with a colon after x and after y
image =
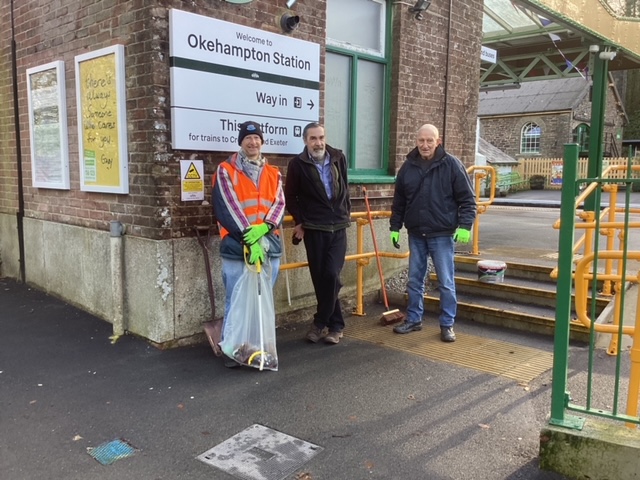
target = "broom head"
x: 392, y: 316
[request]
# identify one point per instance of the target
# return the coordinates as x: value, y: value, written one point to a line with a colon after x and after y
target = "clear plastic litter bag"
x: 249, y: 335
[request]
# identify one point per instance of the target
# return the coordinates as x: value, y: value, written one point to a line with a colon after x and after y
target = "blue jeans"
x: 441, y: 250
x: 231, y: 271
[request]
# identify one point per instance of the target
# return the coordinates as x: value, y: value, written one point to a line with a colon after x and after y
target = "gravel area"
x: 398, y: 282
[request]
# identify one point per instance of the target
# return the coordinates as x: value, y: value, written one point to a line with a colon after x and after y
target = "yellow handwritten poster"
x: 102, y: 120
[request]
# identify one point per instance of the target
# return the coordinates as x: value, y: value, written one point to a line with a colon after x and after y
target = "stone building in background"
x: 537, y: 119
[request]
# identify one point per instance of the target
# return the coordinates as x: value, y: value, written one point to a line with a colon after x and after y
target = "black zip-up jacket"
x: 306, y: 198
x: 432, y: 201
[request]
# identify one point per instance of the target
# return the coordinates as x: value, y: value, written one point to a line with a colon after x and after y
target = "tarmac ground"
x: 373, y: 412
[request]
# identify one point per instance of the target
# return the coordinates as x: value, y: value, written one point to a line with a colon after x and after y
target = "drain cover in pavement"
x: 260, y: 453
x: 109, y: 452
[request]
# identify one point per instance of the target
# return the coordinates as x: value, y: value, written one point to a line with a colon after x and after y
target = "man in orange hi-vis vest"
x: 248, y: 202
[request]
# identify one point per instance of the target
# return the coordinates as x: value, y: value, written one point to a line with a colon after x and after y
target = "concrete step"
x: 512, y: 290
x: 499, y: 312
x: 523, y: 271
x: 525, y: 299
x: 508, y: 314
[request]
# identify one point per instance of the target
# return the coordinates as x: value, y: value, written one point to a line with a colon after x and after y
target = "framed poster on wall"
x: 102, y: 125
x: 46, y: 96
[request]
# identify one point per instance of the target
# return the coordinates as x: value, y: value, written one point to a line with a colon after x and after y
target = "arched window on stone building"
x: 530, y: 138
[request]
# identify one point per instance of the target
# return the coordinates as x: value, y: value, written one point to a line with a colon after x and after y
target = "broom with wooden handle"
x: 390, y: 316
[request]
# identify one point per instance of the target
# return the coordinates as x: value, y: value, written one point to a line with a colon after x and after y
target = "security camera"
x: 419, y: 7
x: 289, y: 22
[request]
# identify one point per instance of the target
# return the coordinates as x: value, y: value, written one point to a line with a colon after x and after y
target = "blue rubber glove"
x: 255, y: 232
x: 462, y: 235
x: 395, y: 239
x: 256, y: 254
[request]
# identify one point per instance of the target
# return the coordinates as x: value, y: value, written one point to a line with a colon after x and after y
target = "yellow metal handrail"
x: 360, y: 257
x: 479, y: 173
x: 583, y: 276
x: 608, y: 225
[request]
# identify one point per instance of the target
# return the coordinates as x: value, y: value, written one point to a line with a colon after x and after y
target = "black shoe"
x: 447, y: 334
x: 229, y: 363
x: 407, y: 327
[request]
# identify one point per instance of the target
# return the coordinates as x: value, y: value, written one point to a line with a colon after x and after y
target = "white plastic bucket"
x: 491, y: 271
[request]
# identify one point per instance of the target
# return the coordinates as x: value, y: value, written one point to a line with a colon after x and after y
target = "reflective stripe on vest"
x: 255, y: 202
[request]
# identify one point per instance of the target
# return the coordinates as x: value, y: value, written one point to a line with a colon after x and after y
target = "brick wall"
x: 420, y: 93
x: 48, y: 31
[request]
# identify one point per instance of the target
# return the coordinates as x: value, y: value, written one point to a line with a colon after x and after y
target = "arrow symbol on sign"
x: 311, y: 104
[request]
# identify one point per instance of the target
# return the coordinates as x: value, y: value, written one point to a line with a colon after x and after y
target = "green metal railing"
x: 588, y: 276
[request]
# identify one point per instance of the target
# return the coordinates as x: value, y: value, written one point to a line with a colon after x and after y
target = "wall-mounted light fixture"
x: 291, y: 3
x: 607, y: 55
x: 419, y: 8
x: 289, y: 22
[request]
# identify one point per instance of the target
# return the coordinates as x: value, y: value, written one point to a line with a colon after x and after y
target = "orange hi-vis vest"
x: 255, y: 202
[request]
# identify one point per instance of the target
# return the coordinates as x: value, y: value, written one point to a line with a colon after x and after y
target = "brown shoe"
x: 333, y: 337
x: 315, y: 334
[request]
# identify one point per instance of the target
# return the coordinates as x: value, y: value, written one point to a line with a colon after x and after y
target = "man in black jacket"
x: 317, y: 196
x: 435, y: 201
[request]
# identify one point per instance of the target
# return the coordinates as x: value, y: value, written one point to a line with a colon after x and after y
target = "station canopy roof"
x: 535, y: 42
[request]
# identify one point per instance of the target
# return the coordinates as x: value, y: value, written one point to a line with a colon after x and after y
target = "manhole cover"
x: 260, y: 453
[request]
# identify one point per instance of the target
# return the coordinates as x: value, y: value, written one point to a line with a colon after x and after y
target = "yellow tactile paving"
x: 509, y: 360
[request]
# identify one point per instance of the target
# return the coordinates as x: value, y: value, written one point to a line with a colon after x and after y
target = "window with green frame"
x: 581, y: 137
x: 356, y: 83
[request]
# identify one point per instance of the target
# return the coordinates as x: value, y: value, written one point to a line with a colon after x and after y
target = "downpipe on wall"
x: 16, y: 115
x: 116, y: 231
x: 446, y: 77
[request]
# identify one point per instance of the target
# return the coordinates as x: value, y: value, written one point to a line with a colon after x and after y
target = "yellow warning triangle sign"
x: 192, y: 173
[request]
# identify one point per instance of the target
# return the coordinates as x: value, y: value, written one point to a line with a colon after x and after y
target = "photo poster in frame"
x: 556, y: 172
x: 102, y: 120
x: 46, y: 98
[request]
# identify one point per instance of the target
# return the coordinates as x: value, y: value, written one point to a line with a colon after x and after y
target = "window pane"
x: 337, y: 100
x: 369, y: 115
x: 357, y: 23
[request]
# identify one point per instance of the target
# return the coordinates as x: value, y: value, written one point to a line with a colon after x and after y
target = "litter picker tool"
x: 261, y: 352
x: 390, y: 316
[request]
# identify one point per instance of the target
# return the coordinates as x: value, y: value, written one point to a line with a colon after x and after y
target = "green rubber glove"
x: 256, y: 254
x: 462, y: 235
x: 255, y: 232
x: 395, y: 239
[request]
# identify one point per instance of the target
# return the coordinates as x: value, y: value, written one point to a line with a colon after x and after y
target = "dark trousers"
x: 325, y: 253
